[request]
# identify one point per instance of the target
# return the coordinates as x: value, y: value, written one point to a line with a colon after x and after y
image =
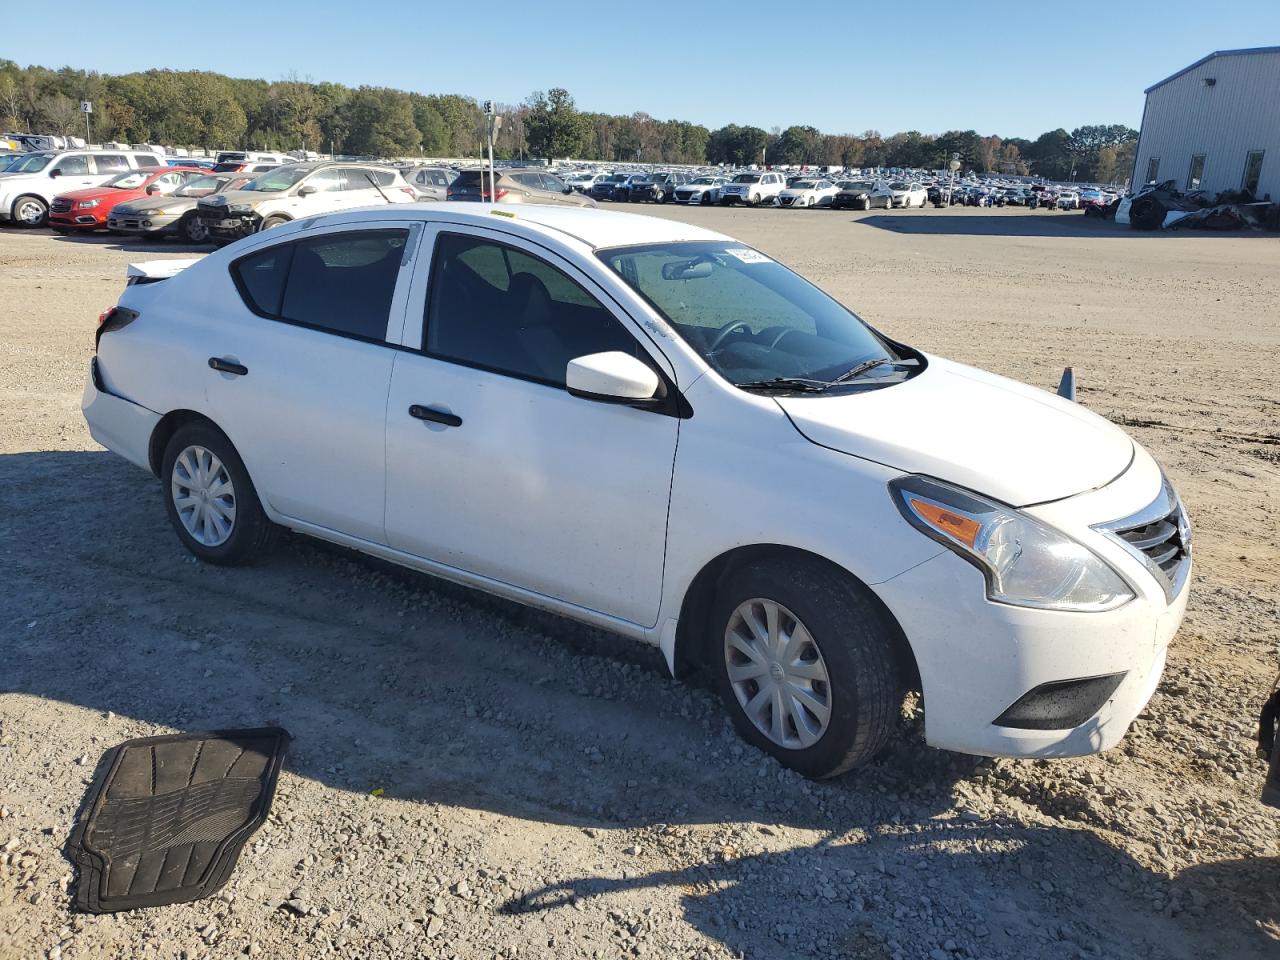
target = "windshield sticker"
x: 747, y: 255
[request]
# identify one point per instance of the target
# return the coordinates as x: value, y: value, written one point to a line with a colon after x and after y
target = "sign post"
x: 492, y: 124
x: 86, y: 107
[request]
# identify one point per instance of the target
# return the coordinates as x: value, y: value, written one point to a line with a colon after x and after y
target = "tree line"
x: 204, y: 109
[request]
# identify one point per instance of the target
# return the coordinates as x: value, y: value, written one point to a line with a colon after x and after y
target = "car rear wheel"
x: 210, y: 498
x: 807, y: 665
x: 30, y: 211
x: 192, y: 229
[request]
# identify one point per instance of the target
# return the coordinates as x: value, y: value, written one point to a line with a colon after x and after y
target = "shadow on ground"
x: 1030, y: 223
x: 436, y: 694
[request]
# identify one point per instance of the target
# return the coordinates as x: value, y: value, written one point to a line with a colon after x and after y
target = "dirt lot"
x: 550, y: 792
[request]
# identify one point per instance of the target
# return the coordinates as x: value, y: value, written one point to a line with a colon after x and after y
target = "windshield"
x: 899, y: 185
x: 281, y: 178
x: 201, y: 187
x: 749, y: 317
x: 858, y: 185
x: 128, y: 181
x: 803, y: 185
x: 617, y: 178
x: 710, y: 180
x: 31, y: 164
x: 747, y: 178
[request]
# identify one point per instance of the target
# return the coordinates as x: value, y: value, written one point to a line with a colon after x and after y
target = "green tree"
x: 380, y: 123
x: 554, y: 127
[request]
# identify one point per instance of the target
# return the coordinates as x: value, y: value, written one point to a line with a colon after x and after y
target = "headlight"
x: 1026, y: 563
x: 87, y: 204
x: 240, y: 208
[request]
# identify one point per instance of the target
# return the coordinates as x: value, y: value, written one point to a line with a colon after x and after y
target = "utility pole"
x: 492, y: 123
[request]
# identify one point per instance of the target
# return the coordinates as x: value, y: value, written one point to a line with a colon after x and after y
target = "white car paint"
x: 753, y: 188
x: 593, y: 510
x: 705, y: 189
x: 818, y: 195
x: 912, y: 195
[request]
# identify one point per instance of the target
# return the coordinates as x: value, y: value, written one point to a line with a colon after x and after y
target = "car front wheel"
x: 210, y: 498
x: 807, y: 665
x: 30, y: 211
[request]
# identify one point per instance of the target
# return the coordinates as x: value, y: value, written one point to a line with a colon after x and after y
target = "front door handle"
x: 419, y: 412
x: 228, y: 366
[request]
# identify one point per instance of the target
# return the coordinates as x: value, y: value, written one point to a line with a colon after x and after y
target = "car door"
x: 300, y: 366
x: 73, y: 172
x: 493, y: 468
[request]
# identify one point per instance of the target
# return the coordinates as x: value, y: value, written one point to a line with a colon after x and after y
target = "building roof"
x: 1212, y: 56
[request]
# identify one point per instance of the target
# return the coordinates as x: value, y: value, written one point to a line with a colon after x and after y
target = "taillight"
x: 499, y: 195
x: 113, y: 318
x: 409, y: 192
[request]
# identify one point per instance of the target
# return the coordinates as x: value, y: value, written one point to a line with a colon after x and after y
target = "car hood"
x: 103, y: 193
x: 242, y: 196
x: 992, y: 435
x: 149, y: 206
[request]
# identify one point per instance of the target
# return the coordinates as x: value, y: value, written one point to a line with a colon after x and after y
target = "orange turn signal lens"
x: 954, y: 525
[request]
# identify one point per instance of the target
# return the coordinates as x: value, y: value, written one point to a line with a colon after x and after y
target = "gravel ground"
x: 547, y: 791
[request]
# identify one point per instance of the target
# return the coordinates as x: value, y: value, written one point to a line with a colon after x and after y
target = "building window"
x: 1252, y: 171
x: 1196, y: 173
x: 1153, y: 169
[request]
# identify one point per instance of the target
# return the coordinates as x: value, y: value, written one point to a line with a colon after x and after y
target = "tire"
x: 272, y: 222
x: 248, y: 534
x: 191, y: 229
x: 754, y: 201
x: 29, y: 211
x: 850, y: 644
x: 705, y: 199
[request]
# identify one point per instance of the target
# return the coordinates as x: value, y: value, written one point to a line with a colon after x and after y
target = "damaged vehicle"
x: 174, y: 214
x: 663, y: 432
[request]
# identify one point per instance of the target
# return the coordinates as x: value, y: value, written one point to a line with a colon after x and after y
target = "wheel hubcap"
x: 204, y: 496
x: 777, y: 673
x: 29, y: 212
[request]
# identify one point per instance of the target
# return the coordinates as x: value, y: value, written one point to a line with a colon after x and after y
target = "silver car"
x: 430, y: 183
x: 175, y: 213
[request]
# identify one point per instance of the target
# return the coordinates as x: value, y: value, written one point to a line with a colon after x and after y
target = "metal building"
x: 1215, y: 125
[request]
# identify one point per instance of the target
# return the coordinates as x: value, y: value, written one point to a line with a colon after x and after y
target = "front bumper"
x: 78, y: 220
x: 144, y: 224
x: 977, y: 659
x: 120, y: 425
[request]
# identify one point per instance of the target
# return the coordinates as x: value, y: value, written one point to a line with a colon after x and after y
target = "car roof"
x: 593, y: 228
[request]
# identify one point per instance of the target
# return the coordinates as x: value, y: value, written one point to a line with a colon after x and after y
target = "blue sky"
x: 1013, y: 70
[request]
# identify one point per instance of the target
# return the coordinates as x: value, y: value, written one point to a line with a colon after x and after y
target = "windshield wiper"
x: 860, y: 369
x: 799, y: 384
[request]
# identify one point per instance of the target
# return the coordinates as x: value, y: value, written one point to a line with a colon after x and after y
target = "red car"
x: 88, y: 209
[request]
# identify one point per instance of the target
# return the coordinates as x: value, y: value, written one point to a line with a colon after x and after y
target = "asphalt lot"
x: 548, y: 791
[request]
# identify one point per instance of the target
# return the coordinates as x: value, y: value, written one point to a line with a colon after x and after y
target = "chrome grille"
x: 60, y: 205
x: 1160, y: 536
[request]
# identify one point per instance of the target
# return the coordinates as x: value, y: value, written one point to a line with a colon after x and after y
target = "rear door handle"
x: 228, y: 366
x: 419, y: 412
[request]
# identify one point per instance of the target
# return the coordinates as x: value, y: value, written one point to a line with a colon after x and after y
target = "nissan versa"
x: 658, y: 430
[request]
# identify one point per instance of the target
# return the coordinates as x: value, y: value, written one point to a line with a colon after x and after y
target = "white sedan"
x: 663, y: 432
x: 908, y: 194
x: 808, y: 193
x: 701, y: 190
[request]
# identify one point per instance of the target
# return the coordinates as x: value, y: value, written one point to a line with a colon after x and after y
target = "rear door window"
x: 345, y: 283
x: 148, y: 160
x: 74, y: 166
x: 111, y: 163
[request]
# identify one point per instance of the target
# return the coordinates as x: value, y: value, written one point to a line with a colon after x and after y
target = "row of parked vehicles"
x: 237, y: 193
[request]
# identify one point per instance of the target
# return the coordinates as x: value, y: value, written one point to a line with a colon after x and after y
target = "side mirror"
x: 306, y: 190
x: 568, y: 190
x: 612, y: 377
x: 154, y: 188
x: 55, y: 172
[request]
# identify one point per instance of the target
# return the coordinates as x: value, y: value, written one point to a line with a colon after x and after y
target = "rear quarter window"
x: 260, y: 278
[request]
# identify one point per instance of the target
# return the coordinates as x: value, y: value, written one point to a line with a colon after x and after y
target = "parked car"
x: 908, y: 194
x: 622, y: 190
x: 516, y: 185
x: 701, y: 190
x: 861, y: 195
x: 28, y: 187
x: 295, y: 190
x: 175, y: 214
x: 1068, y: 200
x: 583, y: 182
x: 254, y: 166
x: 430, y: 183
x: 197, y: 163
x: 1017, y: 558
x: 808, y: 193
x: 658, y: 188
x: 89, y: 209
x: 237, y: 161
x: 752, y: 189
x: 1093, y: 198
x: 603, y: 189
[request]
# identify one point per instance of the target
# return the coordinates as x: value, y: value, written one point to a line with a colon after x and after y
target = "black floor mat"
x: 167, y: 816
